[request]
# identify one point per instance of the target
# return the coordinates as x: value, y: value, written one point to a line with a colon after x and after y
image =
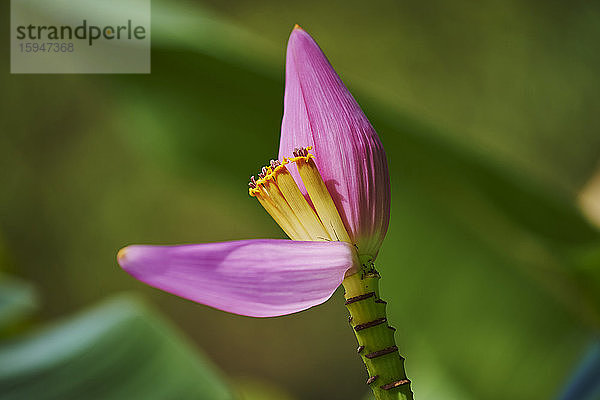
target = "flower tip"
x: 121, y: 256
x: 297, y: 27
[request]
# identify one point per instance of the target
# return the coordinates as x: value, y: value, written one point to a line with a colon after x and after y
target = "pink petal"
x: 321, y: 112
x: 258, y: 278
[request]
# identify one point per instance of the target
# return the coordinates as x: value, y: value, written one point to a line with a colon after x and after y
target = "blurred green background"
x: 489, y: 115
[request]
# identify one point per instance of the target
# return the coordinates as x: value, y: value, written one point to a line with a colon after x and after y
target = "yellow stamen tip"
x: 296, y: 26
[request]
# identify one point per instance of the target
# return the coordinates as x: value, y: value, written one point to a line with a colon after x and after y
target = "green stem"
x: 376, y: 343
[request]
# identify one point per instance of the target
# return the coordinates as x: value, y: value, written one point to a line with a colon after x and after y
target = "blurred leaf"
x: 117, y: 350
x: 17, y: 300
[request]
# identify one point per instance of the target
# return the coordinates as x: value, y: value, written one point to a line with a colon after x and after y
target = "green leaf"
x: 119, y: 349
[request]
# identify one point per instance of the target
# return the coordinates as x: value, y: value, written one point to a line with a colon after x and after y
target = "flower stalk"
x: 376, y: 343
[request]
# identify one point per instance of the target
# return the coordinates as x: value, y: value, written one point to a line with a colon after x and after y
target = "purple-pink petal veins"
x: 319, y: 111
x: 258, y: 278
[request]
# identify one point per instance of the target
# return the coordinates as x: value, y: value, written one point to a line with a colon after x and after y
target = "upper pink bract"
x: 319, y: 111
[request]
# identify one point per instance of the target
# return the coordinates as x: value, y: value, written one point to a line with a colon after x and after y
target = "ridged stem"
x: 376, y: 343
